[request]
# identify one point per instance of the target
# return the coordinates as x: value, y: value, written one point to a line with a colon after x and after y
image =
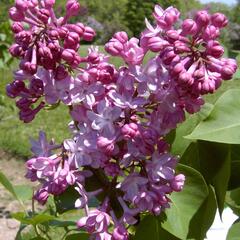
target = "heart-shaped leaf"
x: 223, y: 123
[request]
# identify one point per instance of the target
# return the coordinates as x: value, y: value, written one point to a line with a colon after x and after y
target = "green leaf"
x: 19, y: 192
x: 38, y: 238
x: 180, y: 144
x: 33, y: 220
x: 78, y: 236
x: 234, y: 232
x: 234, y: 181
x: 19, y: 232
x: 223, y: 123
x: 233, y: 200
x: 203, y: 219
x: 150, y: 228
x: 185, y: 204
x: 7, y: 184
x: 213, y: 161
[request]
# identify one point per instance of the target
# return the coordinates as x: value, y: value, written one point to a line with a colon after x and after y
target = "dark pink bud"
x: 23, y: 37
x: 15, y: 88
x: 177, y: 69
x: 72, y: 7
x: 63, y: 31
x: 54, y: 34
x: 49, y: 3
x: 202, y: 18
x: 36, y: 87
x: 210, y: 33
x: 106, y: 74
x: 21, y: 5
x: 16, y: 50
x: 214, y: 49
x: 227, y: 72
x: 93, y: 57
x: 27, y: 115
x: 88, y: 34
x: 130, y: 130
x: 17, y: 27
x: 78, y: 28
x: 105, y: 145
x: 172, y: 35
x: 186, y: 78
x: 45, y: 52
x: 60, y: 73
x: 122, y: 37
x: 219, y: 20
x: 178, y: 183
x: 181, y: 47
x: 68, y: 55
x: 32, y: 3
x: 16, y: 15
x: 168, y: 56
x: 71, y: 39
x: 43, y: 15
x: 114, y: 47
x: 25, y: 103
x: 28, y: 67
x: 189, y: 26
x: 41, y: 196
x: 156, y: 44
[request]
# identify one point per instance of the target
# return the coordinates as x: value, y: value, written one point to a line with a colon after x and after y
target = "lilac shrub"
x: 120, y: 116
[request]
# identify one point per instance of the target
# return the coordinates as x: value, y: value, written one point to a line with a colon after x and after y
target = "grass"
x: 14, y: 135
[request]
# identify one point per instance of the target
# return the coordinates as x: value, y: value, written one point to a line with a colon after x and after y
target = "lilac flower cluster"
x: 120, y: 115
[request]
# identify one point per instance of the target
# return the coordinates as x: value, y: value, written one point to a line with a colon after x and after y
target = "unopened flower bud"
x: 215, y: 49
x: 130, y: 130
x: 88, y: 34
x: 202, y: 18
x: 15, y: 88
x: 72, y: 7
x: 21, y: 5
x: 227, y: 72
x: 49, y: 3
x: 41, y: 196
x: 105, y: 145
x: 16, y: 15
x: 16, y: 50
x: 43, y: 15
x: 219, y: 20
x: 17, y: 27
x: 114, y: 47
x: 178, y: 182
x: 210, y: 33
x: 156, y: 44
x: 122, y: 37
x: 60, y: 73
x: 189, y: 26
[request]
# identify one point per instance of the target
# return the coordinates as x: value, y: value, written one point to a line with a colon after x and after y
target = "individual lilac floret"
x: 96, y: 223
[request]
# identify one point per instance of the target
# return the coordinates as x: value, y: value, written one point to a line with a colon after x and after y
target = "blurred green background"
x: 106, y: 17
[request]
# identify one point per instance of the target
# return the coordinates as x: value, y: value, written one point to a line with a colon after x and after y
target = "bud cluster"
x: 120, y: 117
x: 43, y: 41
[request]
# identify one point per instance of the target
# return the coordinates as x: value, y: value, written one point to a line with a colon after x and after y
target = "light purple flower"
x: 103, y: 120
x: 161, y: 167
